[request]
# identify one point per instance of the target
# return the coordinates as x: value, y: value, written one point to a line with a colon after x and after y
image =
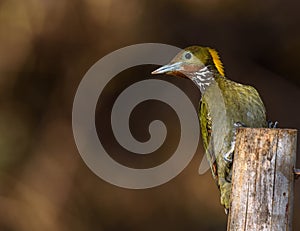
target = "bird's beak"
x: 168, y: 68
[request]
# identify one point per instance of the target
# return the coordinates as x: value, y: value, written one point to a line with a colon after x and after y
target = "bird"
x: 225, y: 105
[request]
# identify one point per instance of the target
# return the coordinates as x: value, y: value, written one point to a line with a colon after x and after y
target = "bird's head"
x: 197, y: 63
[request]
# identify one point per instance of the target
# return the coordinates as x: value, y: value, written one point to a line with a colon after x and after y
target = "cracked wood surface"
x: 263, y: 180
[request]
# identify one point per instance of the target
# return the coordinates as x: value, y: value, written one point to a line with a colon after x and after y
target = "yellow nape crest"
x: 217, y: 61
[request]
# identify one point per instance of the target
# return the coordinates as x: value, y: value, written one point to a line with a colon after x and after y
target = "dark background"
x: 47, y: 47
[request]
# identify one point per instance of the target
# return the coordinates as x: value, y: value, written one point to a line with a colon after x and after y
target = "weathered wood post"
x: 263, y: 180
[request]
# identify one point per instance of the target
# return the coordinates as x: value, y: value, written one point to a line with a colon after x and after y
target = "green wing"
x: 206, y: 129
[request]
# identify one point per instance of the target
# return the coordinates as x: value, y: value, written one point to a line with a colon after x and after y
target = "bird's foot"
x: 228, y: 156
x: 238, y: 125
x: 226, y: 211
x: 272, y: 124
x: 297, y: 173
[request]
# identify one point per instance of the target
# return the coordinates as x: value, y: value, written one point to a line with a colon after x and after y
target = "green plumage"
x: 224, y: 104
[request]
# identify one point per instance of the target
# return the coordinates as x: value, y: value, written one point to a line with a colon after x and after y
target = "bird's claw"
x: 272, y: 124
x: 228, y: 156
x: 296, y: 173
x: 238, y: 125
x: 226, y: 211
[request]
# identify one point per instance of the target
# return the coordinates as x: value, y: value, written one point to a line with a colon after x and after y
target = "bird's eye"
x: 188, y: 55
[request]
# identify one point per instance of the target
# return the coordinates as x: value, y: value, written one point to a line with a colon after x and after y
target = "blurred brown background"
x: 46, y: 48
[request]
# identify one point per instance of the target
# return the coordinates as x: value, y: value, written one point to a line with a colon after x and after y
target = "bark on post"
x: 263, y: 180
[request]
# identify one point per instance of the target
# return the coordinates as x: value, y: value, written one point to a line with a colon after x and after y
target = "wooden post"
x: 263, y: 180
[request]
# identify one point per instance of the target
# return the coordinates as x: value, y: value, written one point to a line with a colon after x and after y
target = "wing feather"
x: 206, y: 130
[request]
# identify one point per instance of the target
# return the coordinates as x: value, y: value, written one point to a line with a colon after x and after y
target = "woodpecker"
x: 225, y: 105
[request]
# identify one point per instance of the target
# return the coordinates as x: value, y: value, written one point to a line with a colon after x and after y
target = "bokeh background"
x: 47, y: 47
